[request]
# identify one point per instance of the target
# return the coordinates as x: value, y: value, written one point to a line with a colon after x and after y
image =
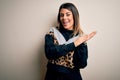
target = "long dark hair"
x: 73, y: 9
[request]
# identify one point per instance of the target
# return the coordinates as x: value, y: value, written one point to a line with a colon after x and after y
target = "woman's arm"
x: 54, y: 51
x: 81, y: 51
x: 84, y: 38
x: 81, y: 56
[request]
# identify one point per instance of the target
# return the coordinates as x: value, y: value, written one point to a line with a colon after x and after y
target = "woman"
x: 65, y: 46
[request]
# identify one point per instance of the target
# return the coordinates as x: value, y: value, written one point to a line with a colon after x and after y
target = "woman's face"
x: 66, y: 18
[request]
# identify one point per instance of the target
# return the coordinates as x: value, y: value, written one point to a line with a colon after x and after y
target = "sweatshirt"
x: 54, y: 51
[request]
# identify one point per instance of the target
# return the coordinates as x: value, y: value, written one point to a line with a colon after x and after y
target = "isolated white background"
x: 24, y: 23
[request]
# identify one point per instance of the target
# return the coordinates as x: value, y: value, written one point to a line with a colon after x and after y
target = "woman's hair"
x: 73, y: 9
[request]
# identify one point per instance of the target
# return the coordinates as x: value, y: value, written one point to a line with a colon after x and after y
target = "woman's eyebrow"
x: 68, y: 12
x: 65, y: 13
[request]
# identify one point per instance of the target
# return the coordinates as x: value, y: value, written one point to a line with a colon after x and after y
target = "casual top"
x: 55, y: 52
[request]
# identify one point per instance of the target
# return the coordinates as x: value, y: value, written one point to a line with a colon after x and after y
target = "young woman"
x: 65, y: 46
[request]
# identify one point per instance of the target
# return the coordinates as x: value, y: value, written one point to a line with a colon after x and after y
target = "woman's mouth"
x: 65, y: 23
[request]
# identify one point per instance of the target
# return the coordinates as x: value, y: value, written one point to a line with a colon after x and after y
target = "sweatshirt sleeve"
x: 81, y: 56
x: 54, y: 51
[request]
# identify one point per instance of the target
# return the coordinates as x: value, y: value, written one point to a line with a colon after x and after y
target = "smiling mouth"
x: 65, y: 23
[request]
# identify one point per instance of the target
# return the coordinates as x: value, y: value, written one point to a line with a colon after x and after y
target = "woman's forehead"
x: 64, y: 10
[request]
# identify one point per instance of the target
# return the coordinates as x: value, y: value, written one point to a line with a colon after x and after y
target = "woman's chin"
x: 67, y: 27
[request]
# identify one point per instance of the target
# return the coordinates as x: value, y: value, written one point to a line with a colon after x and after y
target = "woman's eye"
x: 61, y: 15
x: 67, y: 14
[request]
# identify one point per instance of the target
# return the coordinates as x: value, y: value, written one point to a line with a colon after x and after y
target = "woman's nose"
x: 64, y: 17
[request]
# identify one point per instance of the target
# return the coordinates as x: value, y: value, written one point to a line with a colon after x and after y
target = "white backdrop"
x: 24, y: 23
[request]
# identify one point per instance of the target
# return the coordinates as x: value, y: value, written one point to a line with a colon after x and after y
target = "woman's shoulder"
x: 51, y: 30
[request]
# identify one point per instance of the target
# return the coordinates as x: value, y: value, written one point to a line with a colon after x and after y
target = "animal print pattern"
x: 67, y: 60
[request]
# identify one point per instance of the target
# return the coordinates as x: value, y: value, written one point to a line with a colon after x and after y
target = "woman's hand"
x: 84, y: 38
x: 91, y: 35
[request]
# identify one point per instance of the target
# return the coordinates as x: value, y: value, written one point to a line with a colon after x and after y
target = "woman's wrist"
x: 77, y: 43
